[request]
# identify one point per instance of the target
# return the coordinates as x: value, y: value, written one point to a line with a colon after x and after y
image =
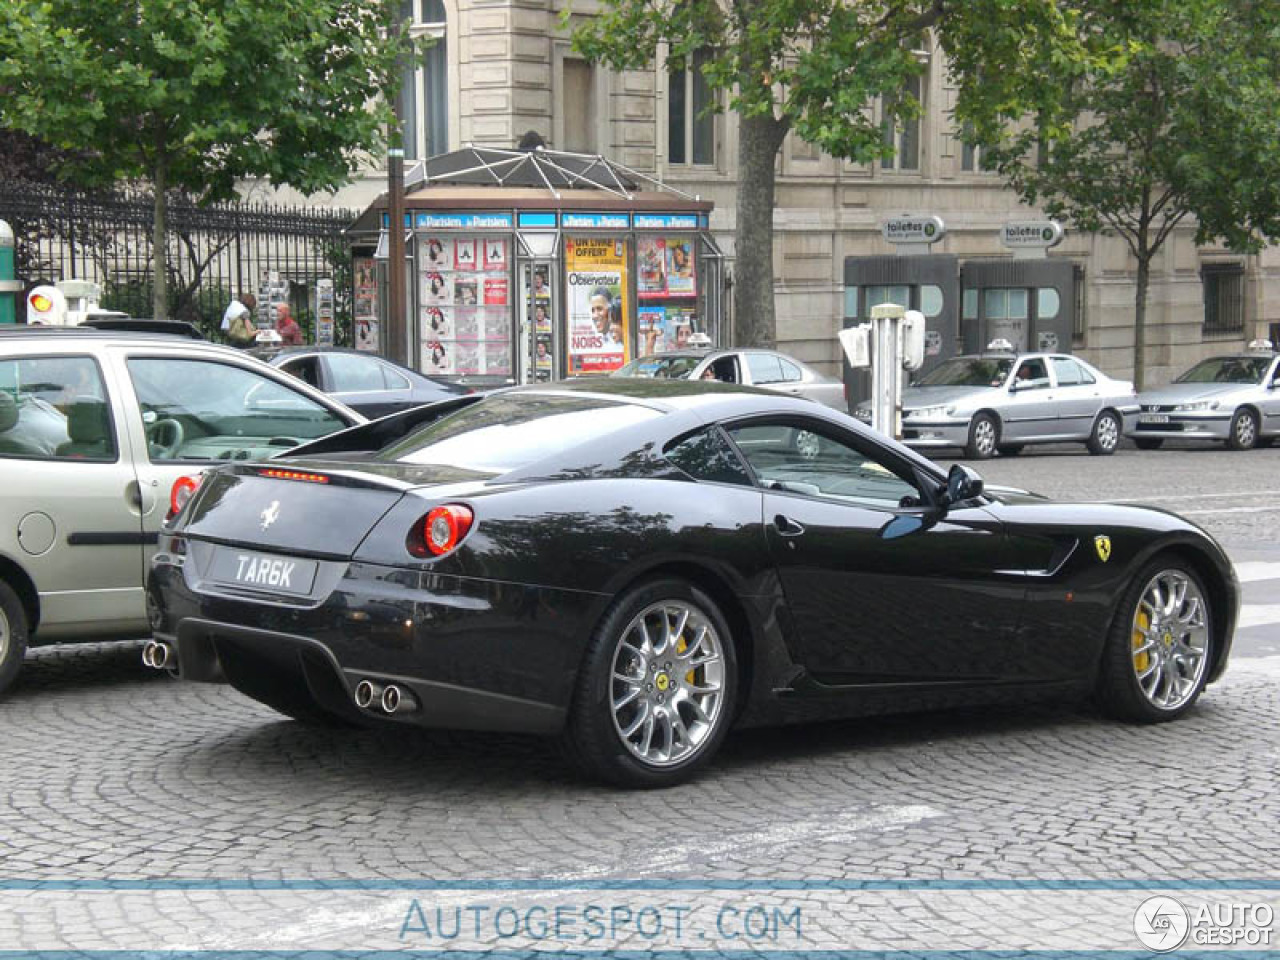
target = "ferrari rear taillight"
x: 183, y: 489
x: 440, y: 530
x: 300, y: 476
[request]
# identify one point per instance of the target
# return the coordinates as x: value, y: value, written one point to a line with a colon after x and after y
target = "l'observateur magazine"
x: 597, y: 302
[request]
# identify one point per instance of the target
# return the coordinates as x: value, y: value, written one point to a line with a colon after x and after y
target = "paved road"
x: 109, y: 772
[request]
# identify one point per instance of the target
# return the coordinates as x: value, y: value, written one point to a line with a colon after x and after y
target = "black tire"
x: 1120, y: 691
x: 1243, y: 434
x: 594, y: 742
x: 984, y: 437
x: 1009, y: 449
x: 14, y: 633
x: 1105, y: 435
x: 1148, y: 443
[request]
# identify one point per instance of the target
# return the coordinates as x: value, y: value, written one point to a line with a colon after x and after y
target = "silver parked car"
x: 1001, y: 401
x: 1234, y: 398
x: 95, y: 428
x: 761, y: 368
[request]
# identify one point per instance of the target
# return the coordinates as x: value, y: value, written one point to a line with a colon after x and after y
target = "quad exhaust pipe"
x: 159, y: 655
x: 390, y: 698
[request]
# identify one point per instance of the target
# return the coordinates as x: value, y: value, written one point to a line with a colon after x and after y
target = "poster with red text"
x: 597, y: 304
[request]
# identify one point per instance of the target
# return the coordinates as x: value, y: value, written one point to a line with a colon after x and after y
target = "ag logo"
x: 1161, y: 923
x: 271, y: 514
x: 1102, y: 543
x: 930, y: 229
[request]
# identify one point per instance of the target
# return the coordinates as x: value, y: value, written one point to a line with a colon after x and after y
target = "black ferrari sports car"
x: 636, y: 567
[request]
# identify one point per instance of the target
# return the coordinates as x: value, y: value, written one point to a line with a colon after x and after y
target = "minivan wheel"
x: 13, y: 635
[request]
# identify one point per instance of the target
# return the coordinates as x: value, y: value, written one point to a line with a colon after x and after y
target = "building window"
x: 578, y: 106
x: 691, y: 134
x: 424, y: 91
x: 902, y: 135
x: 1223, y: 297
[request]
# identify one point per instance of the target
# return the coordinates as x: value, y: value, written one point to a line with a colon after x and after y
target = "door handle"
x: 787, y: 527
x: 133, y: 494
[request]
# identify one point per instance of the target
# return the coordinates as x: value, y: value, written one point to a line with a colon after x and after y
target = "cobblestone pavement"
x: 109, y: 772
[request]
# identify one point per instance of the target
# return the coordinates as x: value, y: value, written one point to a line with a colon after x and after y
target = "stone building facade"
x: 504, y: 67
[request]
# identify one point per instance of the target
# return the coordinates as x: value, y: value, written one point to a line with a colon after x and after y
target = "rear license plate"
x: 262, y: 571
x: 1154, y: 418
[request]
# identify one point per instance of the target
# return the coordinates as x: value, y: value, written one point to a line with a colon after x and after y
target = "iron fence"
x: 214, y: 252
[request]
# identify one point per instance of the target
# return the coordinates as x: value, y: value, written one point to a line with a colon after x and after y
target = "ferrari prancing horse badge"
x: 1102, y: 544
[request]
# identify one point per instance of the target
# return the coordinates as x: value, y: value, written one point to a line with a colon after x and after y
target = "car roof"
x: 76, y: 334
x: 713, y: 398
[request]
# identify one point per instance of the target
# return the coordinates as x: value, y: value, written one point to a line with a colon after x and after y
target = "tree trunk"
x: 159, y: 231
x: 759, y: 139
x: 1140, y: 322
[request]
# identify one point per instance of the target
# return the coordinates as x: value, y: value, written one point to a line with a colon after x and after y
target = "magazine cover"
x: 470, y: 358
x: 434, y: 255
x: 435, y: 288
x: 464, y: 253
x: 680, y: 277
x: 438, y: 323
x: 596, y: 303
x: 495, y: 291
x: 438, y: 357
x: 497, y: 356
x: 495, y: 253
x: 653, y: 338
x: 651, y: 259
x: 541, y: 318
x: 464, y: 290
x: 466, y: 324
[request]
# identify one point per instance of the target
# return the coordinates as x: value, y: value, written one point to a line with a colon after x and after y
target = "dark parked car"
x: 637, y: 566
x: 368, y: 384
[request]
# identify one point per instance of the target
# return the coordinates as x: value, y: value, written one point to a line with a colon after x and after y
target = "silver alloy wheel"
x: 1108, y: 432
x: 1170, y: 639
x: 667, y: 683
x: 984, y: 437
x: 1246, y: 429
x: 808, y: 445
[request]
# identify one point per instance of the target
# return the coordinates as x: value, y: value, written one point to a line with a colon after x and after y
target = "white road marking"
x: 1251, y: 571
x: 1259, y: 615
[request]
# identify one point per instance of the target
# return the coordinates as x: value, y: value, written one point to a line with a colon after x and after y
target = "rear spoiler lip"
x: 376, y: 434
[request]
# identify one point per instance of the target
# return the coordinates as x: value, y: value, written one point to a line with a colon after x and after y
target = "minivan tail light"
x: 182, y: 491
x: 442, y: 529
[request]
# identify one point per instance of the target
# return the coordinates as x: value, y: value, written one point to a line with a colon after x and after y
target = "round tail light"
x: 440, y: 530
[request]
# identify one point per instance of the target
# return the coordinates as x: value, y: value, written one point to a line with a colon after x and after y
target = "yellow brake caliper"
x: 681, y: 646
x: 1141, y: 661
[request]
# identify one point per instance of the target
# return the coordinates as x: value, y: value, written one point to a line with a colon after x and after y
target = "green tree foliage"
x: 816, y: 67
x: 1182, y: 126
x: 194, y: 95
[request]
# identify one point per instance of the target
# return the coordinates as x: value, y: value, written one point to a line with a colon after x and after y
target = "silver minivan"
x: 95, y: 428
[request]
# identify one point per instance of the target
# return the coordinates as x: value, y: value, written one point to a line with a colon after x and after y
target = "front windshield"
x: 505, y: 432
x: 663, y: 368
x: 1227, y: 370
x: 968, y: 372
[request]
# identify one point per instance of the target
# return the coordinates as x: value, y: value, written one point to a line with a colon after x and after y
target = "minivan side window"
x: 55, y: 408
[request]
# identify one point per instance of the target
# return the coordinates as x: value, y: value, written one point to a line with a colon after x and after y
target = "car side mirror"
x: 963, y: 483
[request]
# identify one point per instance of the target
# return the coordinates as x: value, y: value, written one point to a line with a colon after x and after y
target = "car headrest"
x: 8, y: 412
x: 87, y: 420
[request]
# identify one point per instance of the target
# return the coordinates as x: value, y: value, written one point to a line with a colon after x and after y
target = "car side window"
x: 790, y: 372
x: 210, y: 410
x: 764, y: 368
x: 1067, y: 371
x: 394, y: 379
x: 707, y: 455
x: 306, y: 369
x: 55, y: 408
x: 791, y: 458
x: 1032, y: 375
x: 353, y: 374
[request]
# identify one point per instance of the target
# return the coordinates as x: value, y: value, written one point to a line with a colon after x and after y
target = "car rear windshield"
x: 508, y: 431
x: 664, y: 368
x: 968, y: 372
x: 1227, y: 370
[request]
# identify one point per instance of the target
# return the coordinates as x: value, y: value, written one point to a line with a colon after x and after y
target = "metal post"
x: 9, y: 285
x: 396, y: 342
x: 886, y: 369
